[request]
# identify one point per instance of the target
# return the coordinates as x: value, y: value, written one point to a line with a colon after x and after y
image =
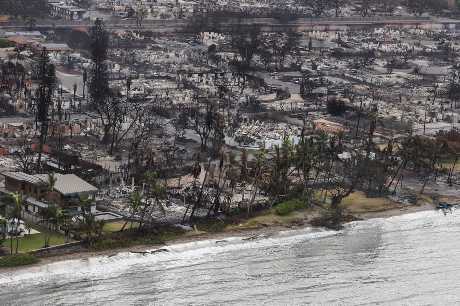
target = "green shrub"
x: 213, y: 226
x: 287, y: 207
x: 17, y: 260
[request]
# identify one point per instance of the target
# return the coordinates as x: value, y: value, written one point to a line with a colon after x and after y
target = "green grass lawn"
x: 35, y: 241
x: 116, y: 226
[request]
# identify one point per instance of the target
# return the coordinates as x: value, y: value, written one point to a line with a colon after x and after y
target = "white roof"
x: 65, y: 183
x: 72, y: 184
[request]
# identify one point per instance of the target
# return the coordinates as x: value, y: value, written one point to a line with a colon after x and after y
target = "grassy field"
x: 272, y: 218
x: 116, y: 226
x: 355, y: 203
x: 358, y: 202
x: 35, y: 241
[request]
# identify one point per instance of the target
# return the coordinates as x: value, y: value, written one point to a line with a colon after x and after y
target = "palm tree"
x: 155, y: 192
x: 85, y: 204
x: 52, y: 179
x: 44, y: 96
x: 15, y: 215
x: 128, y: 87
x: 85, y: 79
x: 49, y: 217
x: 3, y: 227
x: 88, y: 224
x: 135, y: 202
x: 75, y: 87
x: 141, y: 14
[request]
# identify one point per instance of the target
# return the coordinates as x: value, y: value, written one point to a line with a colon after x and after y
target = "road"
x: 268, y: 24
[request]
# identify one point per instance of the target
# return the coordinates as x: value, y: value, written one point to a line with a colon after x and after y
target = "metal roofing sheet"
x: 72, y: 184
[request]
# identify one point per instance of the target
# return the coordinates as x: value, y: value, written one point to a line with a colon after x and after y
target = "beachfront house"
x: 67, y: 192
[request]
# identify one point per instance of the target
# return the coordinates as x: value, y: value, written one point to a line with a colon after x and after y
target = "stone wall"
x: 62, y: 249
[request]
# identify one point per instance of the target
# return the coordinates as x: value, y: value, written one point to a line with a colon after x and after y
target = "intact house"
x: 67, y: 192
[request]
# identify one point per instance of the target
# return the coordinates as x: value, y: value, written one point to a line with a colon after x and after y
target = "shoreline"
x: 234, y: 232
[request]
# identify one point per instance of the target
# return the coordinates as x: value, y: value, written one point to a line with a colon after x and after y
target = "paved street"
x: 226, y: 23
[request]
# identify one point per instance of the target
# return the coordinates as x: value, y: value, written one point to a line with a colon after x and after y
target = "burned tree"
x: 204, y: 120
x: 44, y: 94
x: 365, y: 7
x: 99, y: 80
x: 247, y: 44
x: 318, y: 7
x: 337, y: 5
x: 25, y: 155
x: 104, y: 101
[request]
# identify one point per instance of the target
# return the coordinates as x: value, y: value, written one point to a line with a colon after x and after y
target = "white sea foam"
x: 398, y: 260
x: 108, y: 265
x: 187, y: 253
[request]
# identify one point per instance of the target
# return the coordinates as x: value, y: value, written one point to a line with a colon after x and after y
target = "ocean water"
x: 406, y: 260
